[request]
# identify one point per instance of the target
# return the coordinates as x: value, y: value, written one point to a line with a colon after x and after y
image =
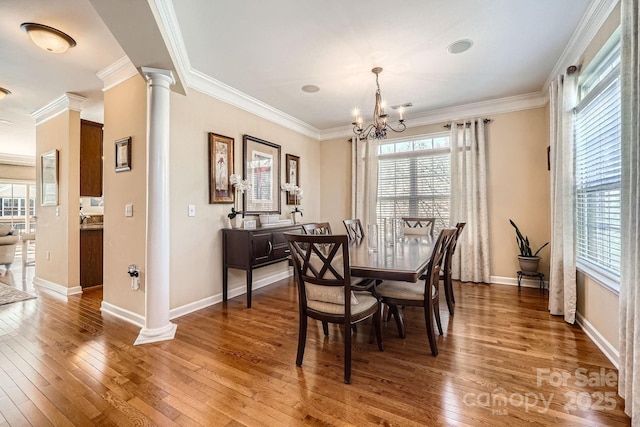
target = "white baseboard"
x: 605, y: 346
x: 216, y: 299
x: 123, y: 314
x: 55, y: 288
x: 513, y: 281
x: 174, y: 313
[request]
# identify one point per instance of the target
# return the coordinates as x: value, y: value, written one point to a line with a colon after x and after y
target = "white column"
x: 157, y: 325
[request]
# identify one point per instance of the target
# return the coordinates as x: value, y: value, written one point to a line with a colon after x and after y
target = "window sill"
x: 604, y: 281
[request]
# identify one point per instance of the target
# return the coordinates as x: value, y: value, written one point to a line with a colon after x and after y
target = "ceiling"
x: 269, y: 50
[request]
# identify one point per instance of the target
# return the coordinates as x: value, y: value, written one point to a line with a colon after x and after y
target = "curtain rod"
x: 448, y: 126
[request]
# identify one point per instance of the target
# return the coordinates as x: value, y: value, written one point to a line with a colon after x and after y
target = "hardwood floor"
x: 501, y: 362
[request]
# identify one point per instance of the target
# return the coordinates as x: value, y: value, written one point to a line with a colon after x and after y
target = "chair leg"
x: 325, y: 328
x: 436, y: 313
x: 428, y: 319
x: 377, y: 318
x: 393, y: 309
x: 448, y: 293
x: 302, y: 338
x: 347, y: 353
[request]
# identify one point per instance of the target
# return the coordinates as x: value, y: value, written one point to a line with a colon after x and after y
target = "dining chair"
x: 445, y: 273
x: 425, y: 294
x: 418, y: 225
x: 317, y: 228
x: 354, y: 229
x: 323, y: 278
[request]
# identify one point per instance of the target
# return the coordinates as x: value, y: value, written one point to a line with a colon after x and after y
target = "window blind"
x: 414, y: 179
x: 598, y: 177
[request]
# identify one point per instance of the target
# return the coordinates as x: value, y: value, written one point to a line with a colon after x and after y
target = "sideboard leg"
x: 225, y: 286
x: 249, y: 283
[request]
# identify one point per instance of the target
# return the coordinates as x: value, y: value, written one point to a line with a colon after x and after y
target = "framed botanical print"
x: 261, y: 166
x: 220, y: 169
x: 293, y: 175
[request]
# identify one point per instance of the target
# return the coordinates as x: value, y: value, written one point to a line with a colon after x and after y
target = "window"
x: 598, y: 171
x: 414, y: 178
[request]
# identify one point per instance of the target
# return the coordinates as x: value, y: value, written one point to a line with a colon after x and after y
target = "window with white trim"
x: 598, y: 171
x: 414, y: 178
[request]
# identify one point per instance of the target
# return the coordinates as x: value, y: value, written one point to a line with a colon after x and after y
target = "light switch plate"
x: 192, y: 210
x: 128, y: 209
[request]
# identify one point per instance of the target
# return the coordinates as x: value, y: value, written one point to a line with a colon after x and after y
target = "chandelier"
x: 378, y: 129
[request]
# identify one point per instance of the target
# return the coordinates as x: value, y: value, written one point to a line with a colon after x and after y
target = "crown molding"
x: 68, y: 101
x: 17, y: 159
x: 170, y: 29
x: 216, y: 89
x: 443, y: 115
x: 116, y: 73
x: 592, y: 21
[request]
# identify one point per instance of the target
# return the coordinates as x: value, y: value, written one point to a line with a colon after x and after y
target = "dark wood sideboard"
x: 250, y: 249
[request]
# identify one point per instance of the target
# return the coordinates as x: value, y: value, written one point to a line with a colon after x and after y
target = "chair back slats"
x: 320, y: 260
x: 317, y: 228
x: 452, y: 247
x: 413, y: 225
x: 438, y: 255
x: 354, y: 229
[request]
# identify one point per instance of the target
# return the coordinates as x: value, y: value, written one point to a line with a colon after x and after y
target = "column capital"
x: 158, y: 73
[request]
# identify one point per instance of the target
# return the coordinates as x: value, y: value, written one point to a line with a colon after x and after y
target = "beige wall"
x: 196, y: 257
x: 599, y: 306
x: 59, y: 235
x: 518, y: 183
x: 18, y: 172
x: 125, y: 114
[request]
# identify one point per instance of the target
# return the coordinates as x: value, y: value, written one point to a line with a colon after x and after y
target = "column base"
x: 147, y: 336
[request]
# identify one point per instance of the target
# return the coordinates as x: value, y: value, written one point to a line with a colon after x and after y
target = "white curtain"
x: 562, y: 276
x: 364, y: 180
x: 469, y: 201
x: 629, y: 376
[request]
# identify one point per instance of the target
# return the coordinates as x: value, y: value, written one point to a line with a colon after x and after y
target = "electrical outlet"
x: 128, y: 209
x: 192, y: 210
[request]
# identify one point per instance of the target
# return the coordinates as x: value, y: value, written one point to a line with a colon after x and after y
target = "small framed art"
x: 220, y: 169
x: 123, y: 154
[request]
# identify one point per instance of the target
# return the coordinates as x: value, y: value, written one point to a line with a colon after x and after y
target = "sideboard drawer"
x: 280, y: 253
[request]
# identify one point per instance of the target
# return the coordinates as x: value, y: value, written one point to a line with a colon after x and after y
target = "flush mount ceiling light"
x: 378, y: 129
x: 4, y: 92
x: 48, y: 38
x: 310, y: 88
x: 460, y: 46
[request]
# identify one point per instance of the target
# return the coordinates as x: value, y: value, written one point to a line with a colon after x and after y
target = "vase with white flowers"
x: 297, y: 193
x: 241, y: 185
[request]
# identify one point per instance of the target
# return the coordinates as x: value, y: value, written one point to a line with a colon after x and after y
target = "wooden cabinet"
x: 90, y: 257
x: 90, y: 158
x: 249, y: 249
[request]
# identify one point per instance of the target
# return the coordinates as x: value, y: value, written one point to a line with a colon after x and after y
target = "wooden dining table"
x: 404, y: 260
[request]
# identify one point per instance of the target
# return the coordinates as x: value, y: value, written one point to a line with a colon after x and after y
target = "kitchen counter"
x: 91, y: 227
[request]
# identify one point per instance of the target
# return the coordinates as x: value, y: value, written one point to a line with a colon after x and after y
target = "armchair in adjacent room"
x: 8, y: 244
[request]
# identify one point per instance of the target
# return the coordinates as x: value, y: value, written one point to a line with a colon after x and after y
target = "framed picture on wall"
x: 293, y: 175
x: 220, y: 169
x: 49, y: 178
x: 261, y: 166
x: 123, y: 154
